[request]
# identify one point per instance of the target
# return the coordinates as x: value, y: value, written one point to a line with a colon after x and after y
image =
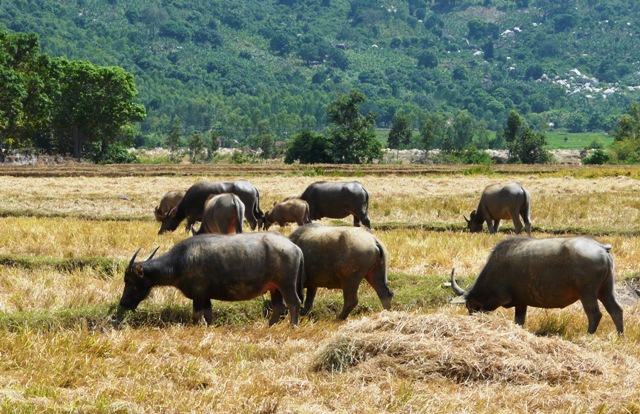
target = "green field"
x: 555, y: 139
x: 568, y: 140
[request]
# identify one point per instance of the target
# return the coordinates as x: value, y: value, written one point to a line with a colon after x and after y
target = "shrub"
x: 597, y: 157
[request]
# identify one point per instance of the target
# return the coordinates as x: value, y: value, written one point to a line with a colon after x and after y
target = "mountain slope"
x: 247, y: 66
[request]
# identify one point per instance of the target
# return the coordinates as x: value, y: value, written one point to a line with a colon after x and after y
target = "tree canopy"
x: 59, y: 105
x: 352, y: 138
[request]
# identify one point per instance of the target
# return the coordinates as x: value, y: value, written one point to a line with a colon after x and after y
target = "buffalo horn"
x: 465, y: 218
x: 152, y: 254
x: 457, y: 289
x: 133, y: 259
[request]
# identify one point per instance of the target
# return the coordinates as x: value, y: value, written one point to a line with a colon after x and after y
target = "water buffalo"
x: 501, y: 202
x: 167, y: 203
x: 338, y: 200
x: 192, y: 204
x: 223, y: 214
x: 230, y: 268
x: 546, y: 273
x: 292, y: 210
x: 339, y: 258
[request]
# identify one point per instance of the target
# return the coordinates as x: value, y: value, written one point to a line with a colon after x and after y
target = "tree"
x: 265, y: 142
x: 214, y: 144
x: 629, y: 124
x: 95, y: 105
x: 515, y: 124
x: 463, y: 128
x: 307, y: 147
x: 432, y: 130
x: 196, y: 148
x: 524, y: 145
x: 401, y: 131
x: 352, y: 136
x: 528, y: 148
x: 173, y: 139
x: 28, y: 88
x: 627, y: 136
x: 428, y: 59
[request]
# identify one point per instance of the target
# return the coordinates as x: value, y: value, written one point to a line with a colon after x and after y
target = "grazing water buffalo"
x: 222, y: 214
x: 230, y: 268
x: 339, y: 258
x: 338, y: 200
x: 501, y: 202
x: 168, y: 202
x: 292, y: 210
x: 546, y: 273
x: 192, y: 204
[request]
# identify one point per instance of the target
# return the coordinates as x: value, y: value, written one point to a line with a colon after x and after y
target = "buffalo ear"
x: 473, y: 214
x: 138, y: 271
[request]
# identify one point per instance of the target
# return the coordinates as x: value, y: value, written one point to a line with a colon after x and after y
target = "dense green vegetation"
x: 245, y: 68
x: 62, y: 106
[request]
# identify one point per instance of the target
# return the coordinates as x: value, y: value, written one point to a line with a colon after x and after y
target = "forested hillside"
x: 246, y: 67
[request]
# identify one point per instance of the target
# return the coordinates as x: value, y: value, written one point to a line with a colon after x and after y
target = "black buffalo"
x: 546, y: 273
x: 338, y: 200
x: 192, y: 204
x: 230, y: 268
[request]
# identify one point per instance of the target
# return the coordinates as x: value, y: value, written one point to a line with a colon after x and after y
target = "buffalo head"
x: 471, y: 304
x: 169, y: 221
x: 136, y: 287
x: 473, y: 224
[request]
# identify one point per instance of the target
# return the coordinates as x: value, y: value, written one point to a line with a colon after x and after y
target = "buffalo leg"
x: 516, y: 221
x: 311, y: 296
x: 527, y: 224
x: 356, y: 221
x: 613, y: 307
x: 202, y: 307
x: 366, y: 222
x: 278, y: 306
x: 490, y: 226
x: 293, y: 302
x: 382, y: 290
x: 591, y: 308
x: 208, y: 312
x: 496, y: 225
x: 521, y: 315
x: 350, y: 295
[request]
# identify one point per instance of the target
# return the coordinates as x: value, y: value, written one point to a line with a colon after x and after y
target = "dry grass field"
x: 68, y: 232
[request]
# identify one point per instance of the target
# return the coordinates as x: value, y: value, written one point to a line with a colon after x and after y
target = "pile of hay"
x: 460, y: 348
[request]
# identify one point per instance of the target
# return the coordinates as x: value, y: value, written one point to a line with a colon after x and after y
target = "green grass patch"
x: 102, y: 265
x: 579, y: 140
x: 78, y: 216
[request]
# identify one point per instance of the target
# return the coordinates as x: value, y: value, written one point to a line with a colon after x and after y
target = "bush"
x: 114, y: 154
x: 597, y: 157
x: 473, y: 155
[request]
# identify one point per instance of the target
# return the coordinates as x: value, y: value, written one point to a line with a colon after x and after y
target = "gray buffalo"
x: 546, y: 273
x: 339, y: 258
x: 291, y: 210
x: 229, y: 268
x: 223, y: 214
x: 170, y: 200
x: 500, y: 202
x: 338, y: 200
x: 192, y: 204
